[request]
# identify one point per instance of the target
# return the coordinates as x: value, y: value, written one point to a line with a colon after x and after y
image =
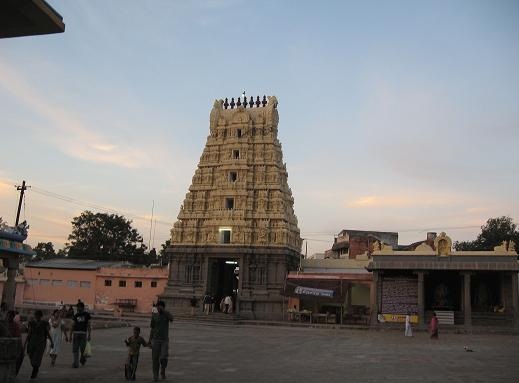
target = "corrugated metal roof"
x: 77, y: 264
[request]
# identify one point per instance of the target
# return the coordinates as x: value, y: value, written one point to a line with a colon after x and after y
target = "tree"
x: 164, y: 259
x: 108, y: 237
x: 493, y: 233
x: 44, y: 250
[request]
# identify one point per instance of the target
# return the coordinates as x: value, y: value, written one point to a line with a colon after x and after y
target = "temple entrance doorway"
x: 443, y: 291
x: 486, y: 292
x: 223, y: 280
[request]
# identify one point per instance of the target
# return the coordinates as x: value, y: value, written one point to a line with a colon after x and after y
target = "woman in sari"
x: 408, y: 328
x: 433, y: 327
x: 55, y: 334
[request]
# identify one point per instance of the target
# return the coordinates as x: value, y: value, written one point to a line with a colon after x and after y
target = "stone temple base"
x: 258, y: 289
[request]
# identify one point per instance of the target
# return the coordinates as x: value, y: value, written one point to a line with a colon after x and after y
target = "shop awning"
x: 331, y: 290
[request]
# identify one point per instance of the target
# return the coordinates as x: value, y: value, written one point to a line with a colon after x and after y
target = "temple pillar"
x: 373, y: 298
x: 348, y: 298
x: 515, y: 299
x: 9, y: 293
x: 502, y: 289
x: 467, y: 303
x: 421, y: 298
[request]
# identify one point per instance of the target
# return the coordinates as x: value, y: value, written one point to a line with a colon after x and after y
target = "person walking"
x: 207, y: 303
x: 36, y: 341
x: 67, y: 321
x: 55, y: 323
x: 159, y: 339
x: 212, y: 302
x: 14, y: 330
x: 433, y: 326
x: 193, y: 303
x: 80, y: 334
x: 134, y: 344
x: 228, y: 304
x: 408, y: 328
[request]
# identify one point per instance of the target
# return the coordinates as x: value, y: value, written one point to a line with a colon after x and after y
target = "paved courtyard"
x: 203, y: 353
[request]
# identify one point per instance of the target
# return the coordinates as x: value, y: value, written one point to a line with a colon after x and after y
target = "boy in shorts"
x: 134, y: 344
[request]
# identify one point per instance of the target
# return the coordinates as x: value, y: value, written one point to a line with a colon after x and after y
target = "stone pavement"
x: 204, y: 353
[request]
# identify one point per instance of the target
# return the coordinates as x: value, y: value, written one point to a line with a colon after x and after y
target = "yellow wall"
x: 360, y: 295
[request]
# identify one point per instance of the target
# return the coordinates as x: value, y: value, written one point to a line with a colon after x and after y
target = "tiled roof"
x: 76, y: 264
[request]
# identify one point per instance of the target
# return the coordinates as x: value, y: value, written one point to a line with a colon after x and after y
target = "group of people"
x: 433, y: 326
x: 226, y: 304
x: 40, y: 332
x: 158, y: 342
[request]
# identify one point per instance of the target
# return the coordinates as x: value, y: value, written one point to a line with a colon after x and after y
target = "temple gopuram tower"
x: 236, y: 232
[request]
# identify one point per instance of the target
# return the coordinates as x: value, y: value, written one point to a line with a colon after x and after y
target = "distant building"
x: 462, y: 287
x: 352, y: 243
x: 100, y: 285
x: 317, y: 256
x: 331, y: 291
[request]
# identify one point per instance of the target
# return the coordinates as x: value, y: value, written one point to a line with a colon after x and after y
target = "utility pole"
x: 22, y: 190
x: 301, y: 256
x: 151, y: 224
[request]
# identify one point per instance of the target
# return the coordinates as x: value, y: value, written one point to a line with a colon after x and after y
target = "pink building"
x: 100, y: 285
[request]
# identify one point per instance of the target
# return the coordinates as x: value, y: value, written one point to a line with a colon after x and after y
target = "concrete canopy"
x: 28, y: 18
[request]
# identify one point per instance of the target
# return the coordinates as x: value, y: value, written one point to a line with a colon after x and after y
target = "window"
x: 235, y: 154
x: 229, y: 203
x: 44, y: 282
x: 196, y: 273
x: 238, y: 133
x: 31, y: 282
x: 122, y: 283
x: 84, y: 284
x: 225, y: 235
x: 137, y: 284
x: 108, y: 282
x: 57, y: 283
x: 153, y: 284
x: 188, y: 276
x: 261, y: 276
x: 71, y: 283
x: 233, y: 176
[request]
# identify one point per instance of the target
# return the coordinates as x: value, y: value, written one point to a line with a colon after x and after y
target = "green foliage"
x: 164, y: 259
x: 164, y: 246
x: 493, y: 233
x: 44, y: 250
x: 107, y: 237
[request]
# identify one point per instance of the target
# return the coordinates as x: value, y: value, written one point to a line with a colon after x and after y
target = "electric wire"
x: 93, y: 206
x: 98, y: 207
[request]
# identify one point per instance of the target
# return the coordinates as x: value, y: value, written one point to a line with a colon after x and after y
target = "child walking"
x: 134, y: 344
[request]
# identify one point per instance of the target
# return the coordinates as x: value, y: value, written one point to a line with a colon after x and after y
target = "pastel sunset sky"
x: 394, y: 115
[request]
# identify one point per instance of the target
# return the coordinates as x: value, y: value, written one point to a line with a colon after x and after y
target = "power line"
x: 93, y: 206
x: 98, y: 207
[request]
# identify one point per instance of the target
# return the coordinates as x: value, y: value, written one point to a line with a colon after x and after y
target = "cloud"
x: 402, y: 200
x: 67, y: 132
x: 6, y: 187
x: 477, y: 210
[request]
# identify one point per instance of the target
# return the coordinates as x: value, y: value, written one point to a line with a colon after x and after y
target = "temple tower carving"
x: 236, y: 232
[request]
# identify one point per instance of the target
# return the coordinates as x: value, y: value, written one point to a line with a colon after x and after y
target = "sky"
x: 394, y: 115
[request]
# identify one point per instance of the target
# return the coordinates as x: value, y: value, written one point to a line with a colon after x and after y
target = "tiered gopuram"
x: 236, y: 232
